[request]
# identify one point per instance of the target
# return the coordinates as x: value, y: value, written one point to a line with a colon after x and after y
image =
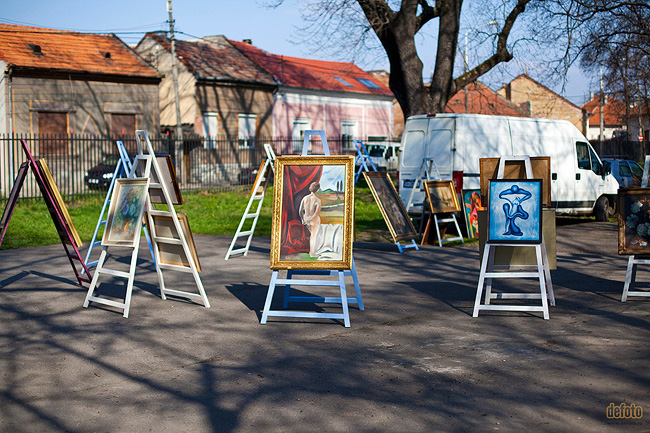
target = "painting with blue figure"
x: 515, y: 212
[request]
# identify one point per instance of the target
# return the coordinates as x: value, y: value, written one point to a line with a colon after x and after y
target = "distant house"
x: 223, y: 94
x: 613, y: 118
x: 480, y: 99
x: 59, y: 82
x: 340, y: 98
x: 540, y: 101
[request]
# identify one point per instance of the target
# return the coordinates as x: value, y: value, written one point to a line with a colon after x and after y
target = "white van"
x: 579, y: 183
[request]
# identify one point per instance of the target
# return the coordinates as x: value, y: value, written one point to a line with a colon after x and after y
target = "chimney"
x: 247, y: 41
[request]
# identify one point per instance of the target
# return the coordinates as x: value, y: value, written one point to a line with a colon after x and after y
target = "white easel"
x: 122, y: 169
x: 489, y: 269
x: 362, y: 159
x: 147, y: 157
x: 289, y: 281
x: 424, y: 173
x: 259, y: 190
x: 633, y: 261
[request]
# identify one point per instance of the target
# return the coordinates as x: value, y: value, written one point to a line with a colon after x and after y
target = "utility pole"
x: 601, y: 102
x: 179, y: 128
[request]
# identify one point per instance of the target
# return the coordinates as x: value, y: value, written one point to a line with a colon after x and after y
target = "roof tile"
x: 70, y: 51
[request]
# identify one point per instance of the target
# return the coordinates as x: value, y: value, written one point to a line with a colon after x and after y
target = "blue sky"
x: 270, y: 29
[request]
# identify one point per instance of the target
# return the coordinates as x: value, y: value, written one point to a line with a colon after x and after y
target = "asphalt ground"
x: 415, y: 360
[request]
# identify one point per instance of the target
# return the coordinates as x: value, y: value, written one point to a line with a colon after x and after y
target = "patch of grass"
x: 208, y: 213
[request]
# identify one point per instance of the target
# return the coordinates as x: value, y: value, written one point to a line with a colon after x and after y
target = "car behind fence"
x: 83, y: 165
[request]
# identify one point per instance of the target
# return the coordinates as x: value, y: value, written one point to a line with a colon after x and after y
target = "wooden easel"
x: 363, y: 159
x: 490, y: 271
x: 633, y: 260
x: 257, y: 195
x: 71, y: 250
x: 122, y: 170
x: 289, y: 281
x: 147, y: 158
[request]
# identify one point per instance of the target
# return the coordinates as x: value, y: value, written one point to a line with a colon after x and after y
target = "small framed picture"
x: 174, y: 254
x: 634, y: 221
x: 124, y: 222
x: 441, y: 195
x: 313, y: 204
x: 471, y: 205
x: 515, y: 211
x: 391, y: 206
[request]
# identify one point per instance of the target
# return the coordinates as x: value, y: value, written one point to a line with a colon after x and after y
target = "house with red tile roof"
x: 338, y: 97
x: 60, y: 82
x: 223, y: 94
x: 614, y: 115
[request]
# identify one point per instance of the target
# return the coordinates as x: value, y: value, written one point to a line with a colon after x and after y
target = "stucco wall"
x: 161, y: 59
x: 88, y: 104
x: 543, y: 102
x: 374, y: 116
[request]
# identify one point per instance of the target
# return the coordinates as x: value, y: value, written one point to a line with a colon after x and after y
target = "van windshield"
x: 587, y: 159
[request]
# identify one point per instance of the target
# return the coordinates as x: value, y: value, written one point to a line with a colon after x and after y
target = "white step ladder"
x: 257, y: 195
x: 147, y: 157
x: 122, y: 170
x: 362, y: 159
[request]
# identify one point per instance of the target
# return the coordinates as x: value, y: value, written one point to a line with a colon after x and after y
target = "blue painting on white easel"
x: 515, y: 211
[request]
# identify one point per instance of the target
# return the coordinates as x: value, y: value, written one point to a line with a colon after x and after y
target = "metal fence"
x: 201, y: 163
x: 620, y: 149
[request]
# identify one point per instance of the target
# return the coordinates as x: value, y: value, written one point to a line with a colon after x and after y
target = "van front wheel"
x: 603, y: 210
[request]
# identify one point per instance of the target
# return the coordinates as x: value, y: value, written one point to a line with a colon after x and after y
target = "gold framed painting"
x: 391, y: 206
x: 172, y: 254
x: 441, y: 195
x: 313, y: 215
x: 124, y: 222
x: 50, y: 184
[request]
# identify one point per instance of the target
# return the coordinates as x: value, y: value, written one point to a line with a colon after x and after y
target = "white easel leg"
x: 357, y: 289
x: 269, y: 298
x: 129, y: 285
x: 435, y: 219
x: 547, y: 276
x: 287, y: 290
x: 542, y: 282
x: 344, y: 300
x: 628, y: 278
x: 93, y: 283
x: 488, y: 280
x: 481, y: 279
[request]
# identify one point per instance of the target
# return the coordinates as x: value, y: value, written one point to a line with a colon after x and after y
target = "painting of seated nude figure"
x: 312, y: 221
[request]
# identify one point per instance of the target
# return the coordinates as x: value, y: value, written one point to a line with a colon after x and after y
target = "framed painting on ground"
x: 391, y: 206
x: 515, y: 211
x: 441, y: 195
x: 471, y: 206
x: 50, y: 184
x: 634, y: 221
x: 313, y: 202
x: 173, y: 254
x: 124, y: 221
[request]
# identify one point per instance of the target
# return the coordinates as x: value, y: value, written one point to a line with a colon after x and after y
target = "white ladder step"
x: 165, y: 240
x: 105, y: 301
x: 175, y: 267
x: 113, y: 272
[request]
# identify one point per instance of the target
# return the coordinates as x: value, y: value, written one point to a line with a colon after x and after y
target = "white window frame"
x: 349, y: 133
x: 246, y: 130
x: 298, y: 128
x: 209, y: 120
